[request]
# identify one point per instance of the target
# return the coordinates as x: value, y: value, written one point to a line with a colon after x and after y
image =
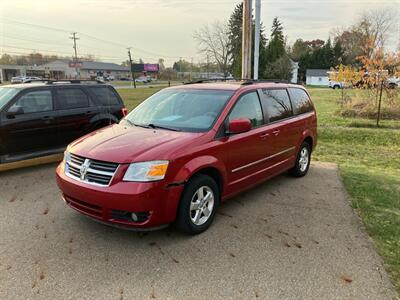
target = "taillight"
x: 124, y: 111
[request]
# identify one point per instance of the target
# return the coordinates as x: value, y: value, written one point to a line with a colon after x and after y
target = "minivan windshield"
x: 6, y: 94
x: 191, y: 110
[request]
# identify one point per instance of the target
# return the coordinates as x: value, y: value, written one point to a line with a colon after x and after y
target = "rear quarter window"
x: 104, y: 96
x: 70, y: 98
x: 301, y: 101
x: 277, y: 104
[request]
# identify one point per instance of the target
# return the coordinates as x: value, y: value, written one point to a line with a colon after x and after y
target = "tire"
x: 302, y: 161
x: 195, y: 215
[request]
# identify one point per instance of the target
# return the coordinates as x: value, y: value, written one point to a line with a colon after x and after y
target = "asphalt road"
x: 287, y: 239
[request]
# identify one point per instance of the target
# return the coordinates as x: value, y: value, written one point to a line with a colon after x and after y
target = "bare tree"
x: 369, y: 33
x: 213, y: 41
x: 375, y: 26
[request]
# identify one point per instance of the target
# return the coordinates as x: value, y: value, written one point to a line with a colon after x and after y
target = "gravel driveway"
x: 287, y: 239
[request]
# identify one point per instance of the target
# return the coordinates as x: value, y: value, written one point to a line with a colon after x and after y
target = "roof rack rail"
x: 76, y: 81
x: 51, y: 81
x: 209, y: 80
x: 252, y: 81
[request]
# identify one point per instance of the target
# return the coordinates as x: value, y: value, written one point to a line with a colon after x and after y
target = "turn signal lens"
x: 146, y: 171
x: 158, y: 170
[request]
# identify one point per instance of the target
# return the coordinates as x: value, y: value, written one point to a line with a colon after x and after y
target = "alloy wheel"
x: 304, y: 159
x: 202, y: 205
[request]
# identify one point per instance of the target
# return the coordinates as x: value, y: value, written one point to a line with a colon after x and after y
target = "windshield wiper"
x: 130, y: 122
x: 139, y: 125
x: 154, y: 126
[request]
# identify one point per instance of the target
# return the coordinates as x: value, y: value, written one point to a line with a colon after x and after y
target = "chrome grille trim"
x: 94, y: 172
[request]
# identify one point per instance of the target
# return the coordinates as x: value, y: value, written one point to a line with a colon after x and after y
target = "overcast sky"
x: 156, y: 28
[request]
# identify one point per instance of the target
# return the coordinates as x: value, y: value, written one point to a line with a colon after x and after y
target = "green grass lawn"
x: 369, y: 160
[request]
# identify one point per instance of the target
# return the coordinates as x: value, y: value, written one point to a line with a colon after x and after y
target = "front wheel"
x: 199, y: 202
x: 302, y: 161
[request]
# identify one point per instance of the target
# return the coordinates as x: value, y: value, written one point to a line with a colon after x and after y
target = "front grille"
x: 90, y: 171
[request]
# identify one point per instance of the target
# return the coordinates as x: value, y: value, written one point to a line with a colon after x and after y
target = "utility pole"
x: 257, y: 39
x: 246, y: 40
x: 74, y: 38
x: 180, y: 66
x: 191, y: 68
x: 130, y: 64
x: 208, y: 67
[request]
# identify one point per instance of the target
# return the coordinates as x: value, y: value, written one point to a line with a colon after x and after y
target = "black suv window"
x: 105, y: 96
x: 248, y: 107
x: 36, y: 101
x: 69, y: 98
x: 278, y: 104
x: 300, y: 100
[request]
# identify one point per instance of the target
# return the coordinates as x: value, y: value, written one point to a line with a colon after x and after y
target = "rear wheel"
x: 199, y: 202
x: 302, y: 161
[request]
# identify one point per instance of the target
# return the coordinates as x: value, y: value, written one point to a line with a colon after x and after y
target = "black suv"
x: 41, y: 118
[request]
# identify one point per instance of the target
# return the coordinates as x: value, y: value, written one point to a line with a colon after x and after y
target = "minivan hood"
x: 126, y: 144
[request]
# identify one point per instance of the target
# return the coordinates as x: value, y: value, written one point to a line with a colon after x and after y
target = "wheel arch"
x: 207, y: 165
x: 308, y: 139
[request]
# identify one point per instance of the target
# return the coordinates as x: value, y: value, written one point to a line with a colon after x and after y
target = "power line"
x: 108, y: 42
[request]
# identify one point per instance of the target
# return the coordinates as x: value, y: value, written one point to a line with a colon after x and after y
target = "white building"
x: 89, y: 69
x: 317, y: 77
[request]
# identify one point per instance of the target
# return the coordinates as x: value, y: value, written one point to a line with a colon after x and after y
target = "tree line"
x: 221, y: 43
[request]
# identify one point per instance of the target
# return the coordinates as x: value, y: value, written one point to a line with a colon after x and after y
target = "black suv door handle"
x: 89, y: 112
x: 48, y: 118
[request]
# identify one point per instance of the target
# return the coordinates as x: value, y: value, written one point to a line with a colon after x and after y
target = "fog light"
x: 134, y: 217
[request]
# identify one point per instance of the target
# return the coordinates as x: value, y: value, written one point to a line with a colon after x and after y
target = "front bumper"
x: 105, y: 204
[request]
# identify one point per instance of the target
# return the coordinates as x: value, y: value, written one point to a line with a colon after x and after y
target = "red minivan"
x: 187, y: 149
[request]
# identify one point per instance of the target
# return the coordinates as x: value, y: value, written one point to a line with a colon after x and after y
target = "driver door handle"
x: 276, y: 132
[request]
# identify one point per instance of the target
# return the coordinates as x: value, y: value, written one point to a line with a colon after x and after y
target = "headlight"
x: 146, y: 171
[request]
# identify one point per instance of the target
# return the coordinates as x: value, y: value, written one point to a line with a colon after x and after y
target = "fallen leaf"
x: 346, y: 279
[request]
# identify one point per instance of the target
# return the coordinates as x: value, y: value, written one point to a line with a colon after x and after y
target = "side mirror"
x: 239, y: 126
x: 15, y: 110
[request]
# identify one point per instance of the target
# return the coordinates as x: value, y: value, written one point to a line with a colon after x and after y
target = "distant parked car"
x: 102, y: 78
x: 22, y: 79
x: 335, y: 84
x: 17, y: 79
x: 31, y: 78
x: 38, y: 119
x: 143, y: 79
x: 393, y: 82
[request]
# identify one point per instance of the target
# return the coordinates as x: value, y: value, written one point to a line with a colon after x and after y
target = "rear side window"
x: 248, y: 107
x: 278, y: 104
x: 36, y: 101
x: 71, y: 98
x: 105, y: 96
x: 300, y: 100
